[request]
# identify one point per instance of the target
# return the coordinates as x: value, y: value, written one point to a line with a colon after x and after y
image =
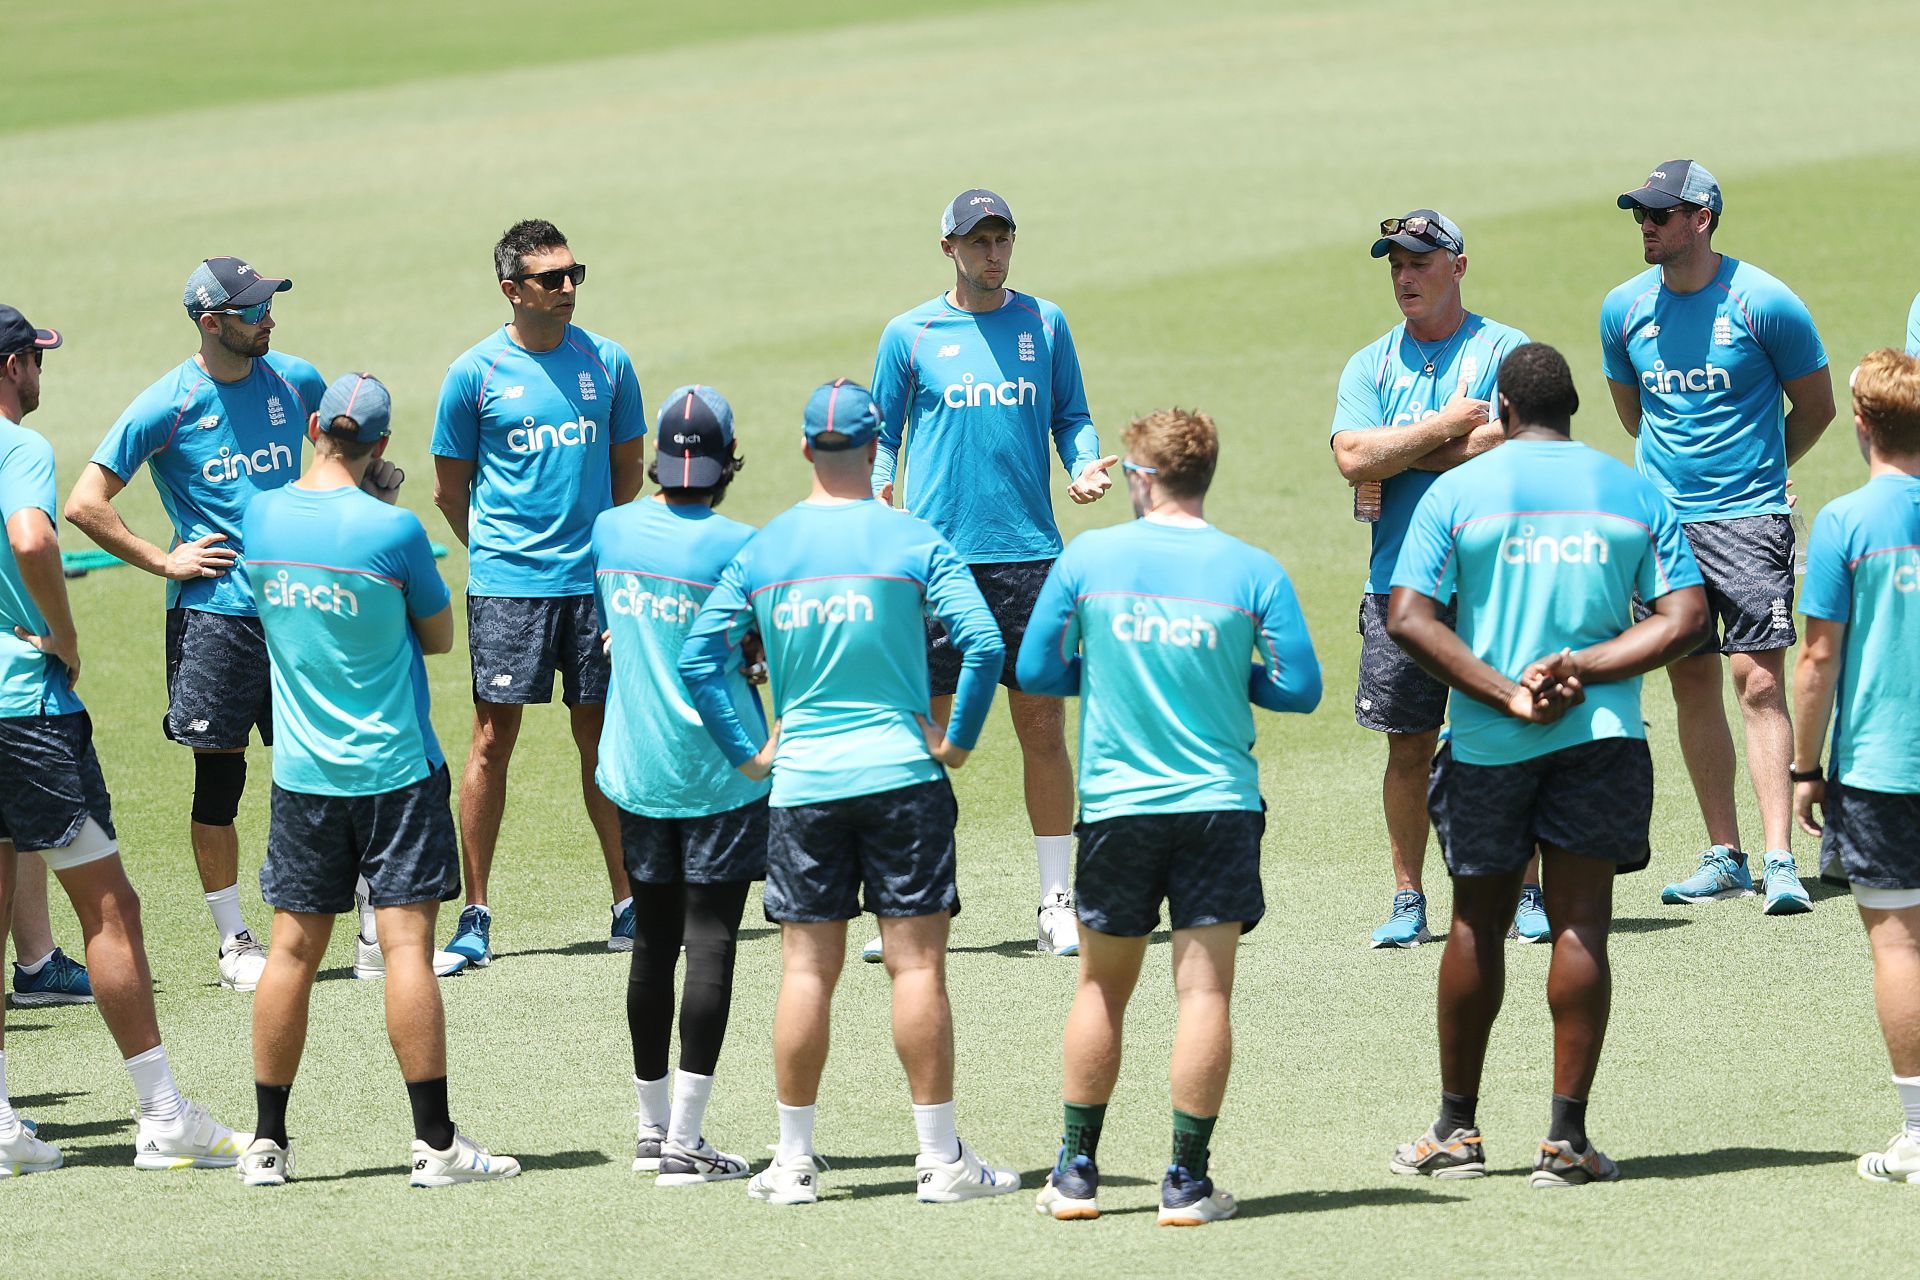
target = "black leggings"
x: 706, y: 918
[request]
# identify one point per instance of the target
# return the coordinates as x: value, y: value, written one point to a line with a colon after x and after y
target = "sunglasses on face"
x: 246, y: 315
x: 1128, y: 464
x: 550, y: 280
x: 1658, y: 217
x: 1422, y: 227
x: 34, y: 354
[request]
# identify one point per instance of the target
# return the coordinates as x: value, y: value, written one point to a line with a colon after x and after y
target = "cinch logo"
x: 232, y: 464
x: 1415, y: 412
x: 1145, y: 627
x: 795, y: 612
x: 1666, y: 381
x: 531, y: 438
x: 1907, y: 577
x: 632, y: 600
x: 282, y: 591
x: 968, y: 394
x: 1527, y: 547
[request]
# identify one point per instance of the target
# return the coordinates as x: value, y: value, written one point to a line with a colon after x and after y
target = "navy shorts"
x: 219, y: 681
x: 1593, y: 799
x: 711, y: 849
x: 895, y: 848
x: 1747, y: 565
x: 1010, y: 590
x: 518, y: 643
x: 402, y: 841
x: 1204, y: 866
x: 1874, y: 835
x: 1395, y: 694
x: 53, y: 781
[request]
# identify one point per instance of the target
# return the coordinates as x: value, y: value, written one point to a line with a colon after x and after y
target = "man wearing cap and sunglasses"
x: 1698, y: 349
x: 225, y: 425
x: 1413, y: 404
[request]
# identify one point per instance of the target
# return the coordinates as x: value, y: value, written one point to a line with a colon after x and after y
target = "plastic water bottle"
x: 1366, y: 501
x: 1799, y: 523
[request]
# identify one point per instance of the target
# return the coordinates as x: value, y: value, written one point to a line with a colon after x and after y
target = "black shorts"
x: 709, y: 849
x: 1876, y: 835
x: 1204, y: 866
x: 1747, y: 565
x: 402, y: 841
x: 896, y: 846
x: 219, y: 681
x: 1593, y: 799
x: 1395, y: 694
x: 53, y: 782
x: 518, y: 643
x: 1010, y: 590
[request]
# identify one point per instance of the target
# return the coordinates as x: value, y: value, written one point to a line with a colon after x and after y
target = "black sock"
x: 1569, y: 1121
x: 1456, y: 1112
x: 431, y: 1122
x: 270, y: 1105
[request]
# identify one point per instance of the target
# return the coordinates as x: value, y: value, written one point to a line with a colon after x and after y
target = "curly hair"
x: 1886, y: 395
x: 1182, y: 445
x: 1538, y: 387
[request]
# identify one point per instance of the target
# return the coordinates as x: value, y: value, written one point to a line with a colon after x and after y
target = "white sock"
x: 935, y: 1126
x: 36, y: 966
x: 153, y: 1083
x: 690, y: 1094
x: 623, y: 904
x: 653, y: 1103
x: 796, y: 1133
x: 1909, y: 1087
x: 1055, y: 854
x: 362, y: 892
x: 225, y: 905
x: 9, y: 1122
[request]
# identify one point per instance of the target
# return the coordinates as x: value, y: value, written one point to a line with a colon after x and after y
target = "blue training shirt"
x: 838, y: 593
x: 31, y: 683
x: 1710, y: 366
x: 1863, y: 569
x: 539, y: 427
x: 1544, y: 543
x: 974, y: 398
x: 654, y: 566
x: 339, y: 574
x: 210, y: 447
x: 1913, y: 327
x: 1166, y: 632
x: 1385, y: 385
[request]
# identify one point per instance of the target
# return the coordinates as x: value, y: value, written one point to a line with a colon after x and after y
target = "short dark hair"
x: 1538, y: 387
x: 711, y: 494
x: 351, y: 449
x: 530, y: 235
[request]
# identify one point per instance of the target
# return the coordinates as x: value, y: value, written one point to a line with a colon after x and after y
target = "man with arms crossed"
x: 1862, y: 603
x: 972, y: 386
x: 1697, y: 350
x: 225, y: 425
x: 1164, y: 614
x: 1543, y: 543
x: 1412, y: 405
x: 540, y: 429
x: 837, y: 587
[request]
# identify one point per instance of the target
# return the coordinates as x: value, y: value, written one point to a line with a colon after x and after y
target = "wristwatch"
x: 1805, y: 775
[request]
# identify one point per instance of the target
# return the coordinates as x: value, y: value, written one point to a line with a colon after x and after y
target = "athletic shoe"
x: 266, y: 1163
x: 1461, y: 1154
x: 60, y: 981
x: 1786, y: 896
x: 1530, y: 917
x: 795, y: 1181
x: 193, y: 1140
x: 688, y: 1166
x: 621, y: 936
x: 646, y: 1150
x: 464, y: 1161
x: 24, y: 1153
x: 1069, y: 1193
x: 1559, y: 1165
x: 471, y: 937
x: 1722, y: 874
x: 1187, y: 1201
x: 1407, y: 926
x: 1900, y: 1162
x: 1059, y: 926
x: 242, y: 957
x: 871, y: 952
x: 962, y: 1178
x: 370, y: 963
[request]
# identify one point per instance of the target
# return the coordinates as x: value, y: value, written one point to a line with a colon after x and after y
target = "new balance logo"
x: 926, y: 1177
x: 796, y: 612
x: 209, y: 422
x: 969, y: 394
x: 512, y: 393
x: 530, y: 437
x: 269, y: 1162
x: 501, y: 681
x: 419, y: 1164
x: 199, y: 726
x: 949, y: 351
x: 1143, y: 626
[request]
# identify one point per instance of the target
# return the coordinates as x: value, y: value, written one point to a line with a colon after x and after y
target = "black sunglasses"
x: 39, y: 356
x: 550, y: 280
x: 1423, y: 228
x: 1658, y: 217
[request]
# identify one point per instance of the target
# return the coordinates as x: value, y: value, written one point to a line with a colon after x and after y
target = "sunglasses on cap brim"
x: 1422, y: 228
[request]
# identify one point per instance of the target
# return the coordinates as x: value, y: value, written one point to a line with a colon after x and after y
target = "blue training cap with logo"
x: 969, y: 209
x: 696, y: 426
x: 220, y: 283
x: 1675, y: 182
x: 840, y: 415
x: 1421, y: 231
x: 17, y: 334
x: 362, y: 399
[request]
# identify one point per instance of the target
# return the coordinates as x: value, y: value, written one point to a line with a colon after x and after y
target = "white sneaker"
x: 24, y: 1153
x: 646, y: 1149
x: 688, y: 1166
x: 1059, y: 926
x: 1900, y: 1162
x: 946, y: 1182
x: 370, y: 963
x: 465, y: 1161
x: 871, y: 952
x: 266, y: 1163
x: 194, y: 1140
x: 795, y: 1181
x: 242, y: 957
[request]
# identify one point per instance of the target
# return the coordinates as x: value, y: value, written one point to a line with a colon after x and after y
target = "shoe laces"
x: 1408, y: 903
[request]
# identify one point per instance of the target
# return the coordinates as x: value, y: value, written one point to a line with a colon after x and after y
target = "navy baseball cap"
x: 362, y: 399
x: 1675, y: 182
x: 696, y: 426
x: 18, y: 335
x: 1421, y: 231
x: 969, y: 208
x: 840, y: 415
x: 220, y: 283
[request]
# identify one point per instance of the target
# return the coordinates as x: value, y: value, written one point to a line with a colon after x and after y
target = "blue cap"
x: 840, y: 415
x: 969, y: 208
x: 17, y: 335
x: 1675, y: 182
x: 1421, y: 231
x: 220, y: 283
x: 696, y: 426
x: 363, y: 400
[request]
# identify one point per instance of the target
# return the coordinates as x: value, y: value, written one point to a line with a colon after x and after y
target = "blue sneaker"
x: 60, y: 981
x: 1530, y: 917
x: 1187, y: 1201
x: 1722, y: 874
x: 1070, y: 1191
x: 621, y: 938
x: 1786, y: 896
x: 470, y: 937
x: 1407, y: 926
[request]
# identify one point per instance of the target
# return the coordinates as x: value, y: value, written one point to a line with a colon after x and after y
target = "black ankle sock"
x: 1569, y: 1121
x: 270, y: 1105
x: 1456, y: 1112
x: 431, y: 1123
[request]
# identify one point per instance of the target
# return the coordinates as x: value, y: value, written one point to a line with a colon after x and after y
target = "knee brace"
x: 219, y: 778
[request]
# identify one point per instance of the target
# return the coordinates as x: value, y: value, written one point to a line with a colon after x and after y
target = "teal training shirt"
x: 31, y: 683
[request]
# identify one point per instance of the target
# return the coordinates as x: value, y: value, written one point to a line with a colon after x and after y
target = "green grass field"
x: 756, y: 187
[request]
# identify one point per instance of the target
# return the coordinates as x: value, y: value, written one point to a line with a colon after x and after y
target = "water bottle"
x: 1366, y: 501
